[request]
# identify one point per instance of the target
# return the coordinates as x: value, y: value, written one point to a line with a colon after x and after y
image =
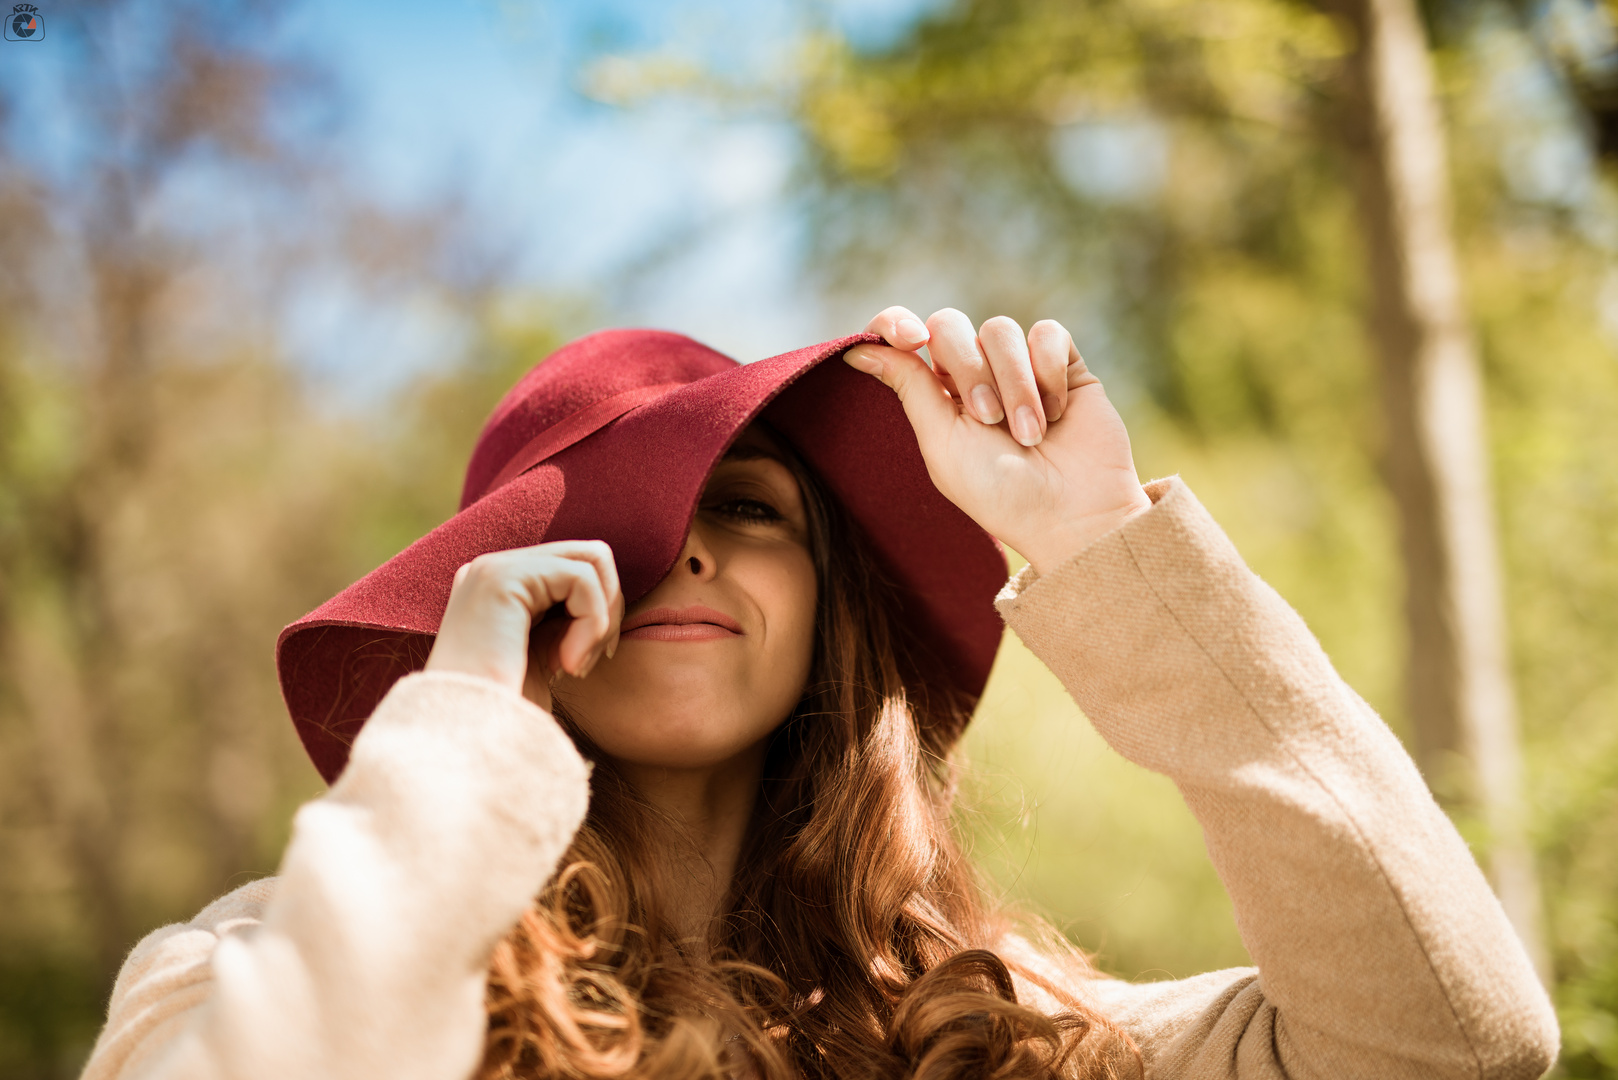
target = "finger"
x: 576, y: 584
x: 928, y: 407
x: 486, y: 622
x: 1049, y: 347
x: 1006, y: 348
x: 546, y: 575
x: 599, y: 555
x: 956, y: 356
x: 899, y: 327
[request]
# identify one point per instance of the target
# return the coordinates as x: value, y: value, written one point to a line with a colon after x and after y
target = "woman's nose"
x: 697, y: 557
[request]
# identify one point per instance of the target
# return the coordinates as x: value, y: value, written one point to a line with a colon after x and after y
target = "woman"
x: 757, y: 878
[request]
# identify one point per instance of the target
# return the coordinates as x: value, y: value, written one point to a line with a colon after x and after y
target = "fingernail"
x: 1025, y: 426
x: 911, y: 332
x: 986, y: 404
x: 1053, y: 408
x: 613, y: 648
x: 862, y: 362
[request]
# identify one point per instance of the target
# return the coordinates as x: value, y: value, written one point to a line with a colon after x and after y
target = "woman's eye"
x: 747, y: 510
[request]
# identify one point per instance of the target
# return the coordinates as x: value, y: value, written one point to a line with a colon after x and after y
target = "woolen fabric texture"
x: 612, y: 437
x: 1380, y: 952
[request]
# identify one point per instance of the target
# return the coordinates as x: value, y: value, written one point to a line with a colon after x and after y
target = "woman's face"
x: 716, y: 656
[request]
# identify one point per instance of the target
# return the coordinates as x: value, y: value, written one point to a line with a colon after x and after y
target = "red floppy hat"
x: 612, y: 437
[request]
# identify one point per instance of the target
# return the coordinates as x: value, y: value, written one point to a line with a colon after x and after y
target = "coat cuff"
x: 1158, y: 490
x: 1159, y: 622
x: 459, y: 774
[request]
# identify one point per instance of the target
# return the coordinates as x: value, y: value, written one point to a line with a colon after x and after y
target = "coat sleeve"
x: 1380, y: 950
x: 367, y: 956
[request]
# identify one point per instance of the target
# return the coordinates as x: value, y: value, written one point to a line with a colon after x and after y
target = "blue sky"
x: 477, y: 101
x: 480, y: 98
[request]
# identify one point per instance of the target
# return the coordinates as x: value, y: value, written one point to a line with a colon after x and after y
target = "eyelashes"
x: 746, y: 509
x: 751, y: 498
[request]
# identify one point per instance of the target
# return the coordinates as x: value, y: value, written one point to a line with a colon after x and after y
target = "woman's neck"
x: 712, y: 806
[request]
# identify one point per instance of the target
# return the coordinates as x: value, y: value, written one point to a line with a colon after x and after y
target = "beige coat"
x: 1380, y: 950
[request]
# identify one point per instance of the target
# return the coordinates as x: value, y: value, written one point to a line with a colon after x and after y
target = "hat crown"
x: 574, y: 378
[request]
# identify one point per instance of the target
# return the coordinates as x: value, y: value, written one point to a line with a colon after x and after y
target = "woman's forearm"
x: 370, y: 957
x: 1381, y: 951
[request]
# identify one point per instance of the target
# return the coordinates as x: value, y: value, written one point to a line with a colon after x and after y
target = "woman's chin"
x: 692, y: 736
x: 657, y: 705
x: 683, y: 755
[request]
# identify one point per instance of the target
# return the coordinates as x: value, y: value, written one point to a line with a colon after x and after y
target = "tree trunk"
x: 1458, y: 678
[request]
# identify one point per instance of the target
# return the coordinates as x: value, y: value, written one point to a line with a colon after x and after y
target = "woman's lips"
x: 696, y: 623
x: 697, y: 631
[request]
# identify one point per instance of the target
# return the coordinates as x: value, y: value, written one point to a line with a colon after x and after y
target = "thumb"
x: 926, y: 403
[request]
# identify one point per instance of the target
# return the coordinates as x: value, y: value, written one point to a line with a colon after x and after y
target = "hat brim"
x: 636, y: 484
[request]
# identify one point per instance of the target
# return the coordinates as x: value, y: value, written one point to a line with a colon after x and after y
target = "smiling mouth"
x: 695, y: 623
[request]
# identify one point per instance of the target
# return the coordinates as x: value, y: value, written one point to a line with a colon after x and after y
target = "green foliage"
x: 50, y: 1011
x: 1555, y: 383
x: 172, y: 493
x: 1218, y: 293
x: 180, y: 770
x: 1222, y: 302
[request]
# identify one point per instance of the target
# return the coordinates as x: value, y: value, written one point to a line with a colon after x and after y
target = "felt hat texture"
x: 612, y: 437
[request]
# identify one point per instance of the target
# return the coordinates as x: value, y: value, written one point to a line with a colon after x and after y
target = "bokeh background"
x: 265, y: 265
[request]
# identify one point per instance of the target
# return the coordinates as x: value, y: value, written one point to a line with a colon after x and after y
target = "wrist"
x: 1055, y: 546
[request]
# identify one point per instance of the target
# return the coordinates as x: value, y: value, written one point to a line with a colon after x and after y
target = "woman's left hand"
x: 1015, y: 430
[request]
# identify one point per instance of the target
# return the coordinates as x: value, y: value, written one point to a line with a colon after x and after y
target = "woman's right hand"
x: 489, y: 627
x: 1050, y: 480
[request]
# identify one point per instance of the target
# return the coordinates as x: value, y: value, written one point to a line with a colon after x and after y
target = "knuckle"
x: 487, y: 573
x: 1048, y: 330
x: 1000, y: 326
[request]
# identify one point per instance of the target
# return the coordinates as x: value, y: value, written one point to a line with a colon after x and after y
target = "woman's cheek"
x: 790, y: 609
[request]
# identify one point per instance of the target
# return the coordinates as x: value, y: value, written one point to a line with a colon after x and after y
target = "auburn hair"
x: 857, y: 940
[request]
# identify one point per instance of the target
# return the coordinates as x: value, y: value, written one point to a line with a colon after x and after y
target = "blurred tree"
x: 1152, y: 174
x: 138, y: 775
x: 1198, y: 189
x: 1459, y: 682
x: 171, y: 492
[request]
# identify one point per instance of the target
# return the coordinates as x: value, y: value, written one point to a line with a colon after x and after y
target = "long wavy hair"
x: 857, y: 940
